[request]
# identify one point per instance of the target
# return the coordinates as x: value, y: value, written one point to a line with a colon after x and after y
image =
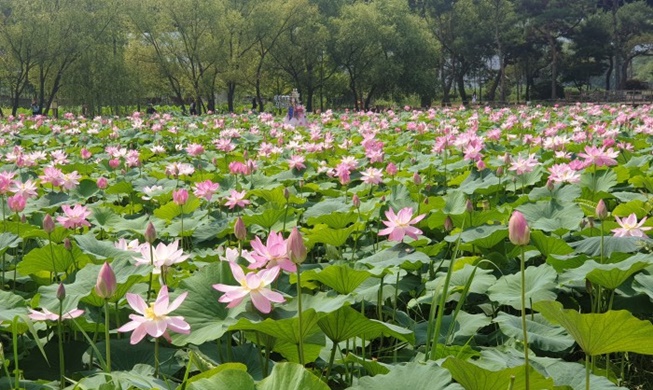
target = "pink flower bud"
x: 469, y: 206
x: 448, y: 224
x: 48, y: 224
x: 106, y: 284
x: 86, y: 154
x: 480, y: 165
x: 61, y: 292
x: 67, y: 244
x: 391, y: 169
x: 16, y: 203
x: 356, y: 201
x: 500, y: 171
x: 114, y: 163
x: 550, y: 186
x: 150, y: 233
x: 417, y: 179
x: 286, y: 193
x: 295, y: 247
x: 180, y: 196
x: 102, y: 183
x: 601, y: 210
x: 518, y: 231
x: 240, y: 231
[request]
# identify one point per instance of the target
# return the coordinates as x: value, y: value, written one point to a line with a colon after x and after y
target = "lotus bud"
x: 180, y: 196
x: 480, y: 165
x: 417, y: 179
x: 240, y: 231
x: 448, y: 224
x: 469, y: 206
x: 356, y: 201
x: 102, y: 183
x: 518, y: 231
x: 23, y: 218
x: 601, y: 210
x: 106, y: 284
x: 550, y: 186
x: 16, y: 203
x: 391, y: 169
x: 150, y: 233
x: 61, y: 292
x: 295, y: 247
x: 114, y: 163
x: 500, y: 171
x: 86, y: 154
x: 67, y: 244
x: 286, y: 193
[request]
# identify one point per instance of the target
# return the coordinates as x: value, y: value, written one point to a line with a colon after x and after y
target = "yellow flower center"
x: 149, y: 313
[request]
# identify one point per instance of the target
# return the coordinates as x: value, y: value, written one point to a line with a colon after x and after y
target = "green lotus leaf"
x: 225, y: 376
x: 550, y: 216
x: 600, y: 181
x: 482, y: 236
x: 541, y: 334
x: 326, y: 235
x: 548, y: 245
x: 286, y: 376
x: 52, y: 258
x: 335, y: 220
x: 414, y: 375
x: 610, y: 275
x: 208, y: 318
x: 394, y: 257
x: 473, y: 377
x: 602, y: 333
x: 341, y: 278
x: 346, y: 323
x: 540, y: 286
x: 592, y: 245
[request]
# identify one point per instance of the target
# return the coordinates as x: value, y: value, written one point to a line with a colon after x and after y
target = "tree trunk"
x: 608, y: 74
x: 492, y: 90
x: 231, y: 92
x: 554, y: 66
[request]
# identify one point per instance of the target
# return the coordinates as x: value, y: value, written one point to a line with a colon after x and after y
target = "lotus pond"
x: 441, y: 249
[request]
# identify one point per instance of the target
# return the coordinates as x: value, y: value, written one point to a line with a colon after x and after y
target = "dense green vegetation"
x: 116, y: 53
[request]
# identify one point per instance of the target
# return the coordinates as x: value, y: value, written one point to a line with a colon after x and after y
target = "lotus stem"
x: 107, y: 337
x: 300, y: 344
x: 62, y: 365
x: 523, y: 319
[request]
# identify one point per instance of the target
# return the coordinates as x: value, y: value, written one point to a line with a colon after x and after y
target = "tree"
x: 552, y: 20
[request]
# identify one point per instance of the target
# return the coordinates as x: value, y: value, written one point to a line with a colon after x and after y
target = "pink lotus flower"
x: 16, y: 203
x: 194, y: 149
x: 391, y: 169
x: 180, y: 196
x: 629, y: 227
x: 52, y: 175
x: 47, y: 315
x: 399, y: 225
x: 205, y: 189
x: 524, y: 165
x: 273, y: 254
x: 74, y: 217
x: 372, y: 176
x: 162, y: 256
x: 599, y: 156
x: 253, y: 284
x: 237, y: 198
x: 26, y: 189
x: 154, y: 319
x: 296, y: 162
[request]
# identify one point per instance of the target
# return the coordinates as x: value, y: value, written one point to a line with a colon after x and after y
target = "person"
x: 36, y: 110
x: 474, y: 98
x: 150, y: 109
x: 254, y: 104
x: 193, y: 108
x: 291, y: 110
